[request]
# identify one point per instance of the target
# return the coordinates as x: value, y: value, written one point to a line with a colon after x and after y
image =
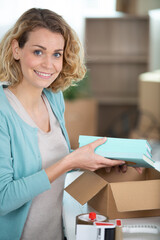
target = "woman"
x: 39, y: 57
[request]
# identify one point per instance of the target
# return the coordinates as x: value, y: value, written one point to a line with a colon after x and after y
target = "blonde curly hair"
x: 73, y: 66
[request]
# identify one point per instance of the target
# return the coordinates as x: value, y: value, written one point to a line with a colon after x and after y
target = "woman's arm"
x: 16, y: 192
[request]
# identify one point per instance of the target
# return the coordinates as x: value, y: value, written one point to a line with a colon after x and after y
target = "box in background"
x: 81, y: 118
x: 149, y: 97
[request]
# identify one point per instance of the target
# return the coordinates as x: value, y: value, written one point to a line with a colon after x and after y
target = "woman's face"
x: 41, y: 58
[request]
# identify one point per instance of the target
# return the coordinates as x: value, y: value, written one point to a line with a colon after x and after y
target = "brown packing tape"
x: 119, y: 233
x: 84, y: 219
x: 79, y: 221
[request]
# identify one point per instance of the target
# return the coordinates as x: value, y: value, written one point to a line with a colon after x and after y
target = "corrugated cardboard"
x: 119, y: 195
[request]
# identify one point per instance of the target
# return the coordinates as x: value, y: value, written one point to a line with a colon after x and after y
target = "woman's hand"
x: 85, y: 158
x: 121, y: 168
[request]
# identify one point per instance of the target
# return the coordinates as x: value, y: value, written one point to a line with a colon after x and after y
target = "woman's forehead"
x: 45, y: 36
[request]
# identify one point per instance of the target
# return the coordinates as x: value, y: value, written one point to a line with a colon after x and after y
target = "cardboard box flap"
x: 86, y: 187
x: 134, y: 196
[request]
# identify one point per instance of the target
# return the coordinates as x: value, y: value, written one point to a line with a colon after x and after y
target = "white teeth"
x: 43, y: 74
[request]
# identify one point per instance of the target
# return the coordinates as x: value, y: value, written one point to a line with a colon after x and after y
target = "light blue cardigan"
x: 21, y: 174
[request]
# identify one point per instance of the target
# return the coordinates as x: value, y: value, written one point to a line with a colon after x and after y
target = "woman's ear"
x: 15, y: 49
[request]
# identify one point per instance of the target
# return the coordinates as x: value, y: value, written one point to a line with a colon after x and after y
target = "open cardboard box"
x: 119, y: 195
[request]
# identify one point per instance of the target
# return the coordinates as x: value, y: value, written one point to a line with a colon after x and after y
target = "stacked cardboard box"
x: 149, y: 103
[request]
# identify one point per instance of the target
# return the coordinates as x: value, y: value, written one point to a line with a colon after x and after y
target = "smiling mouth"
x: 41, y: 74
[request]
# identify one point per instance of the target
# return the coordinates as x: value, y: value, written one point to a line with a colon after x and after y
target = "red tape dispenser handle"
x: 92, y: 216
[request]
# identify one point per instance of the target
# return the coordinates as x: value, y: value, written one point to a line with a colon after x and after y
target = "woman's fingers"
x: 123, y: 168
x: 108, y: 162
x: 118, y: 169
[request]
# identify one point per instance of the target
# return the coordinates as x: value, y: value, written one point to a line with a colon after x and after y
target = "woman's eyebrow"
x: 61, y: 49
x: 40, y: 47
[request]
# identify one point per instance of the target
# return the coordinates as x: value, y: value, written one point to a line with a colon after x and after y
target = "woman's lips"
x: 43, y: 75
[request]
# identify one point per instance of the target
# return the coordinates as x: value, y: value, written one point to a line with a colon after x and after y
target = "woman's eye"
x: 57, y: 55
x: 38, y: 52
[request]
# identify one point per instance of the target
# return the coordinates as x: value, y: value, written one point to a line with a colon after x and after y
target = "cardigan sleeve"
x: 15, y: 193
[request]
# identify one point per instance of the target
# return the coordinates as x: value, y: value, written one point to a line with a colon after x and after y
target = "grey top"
x: 44, y: 220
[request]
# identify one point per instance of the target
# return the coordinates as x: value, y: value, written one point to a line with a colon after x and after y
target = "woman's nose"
x: 48, y: 62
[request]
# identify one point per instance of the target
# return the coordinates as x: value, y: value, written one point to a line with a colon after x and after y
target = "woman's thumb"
x: 98, y: 142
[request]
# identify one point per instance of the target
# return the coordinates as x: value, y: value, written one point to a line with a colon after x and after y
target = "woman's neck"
x: 30, y: 97
x: 33, y: 103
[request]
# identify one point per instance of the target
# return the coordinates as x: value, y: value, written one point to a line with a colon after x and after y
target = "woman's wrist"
x: 58, y: 169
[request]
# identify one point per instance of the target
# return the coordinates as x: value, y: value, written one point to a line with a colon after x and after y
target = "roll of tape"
x: 84, y: 219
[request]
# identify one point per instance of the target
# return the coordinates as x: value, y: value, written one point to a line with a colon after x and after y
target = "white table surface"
x: 71, y: 208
